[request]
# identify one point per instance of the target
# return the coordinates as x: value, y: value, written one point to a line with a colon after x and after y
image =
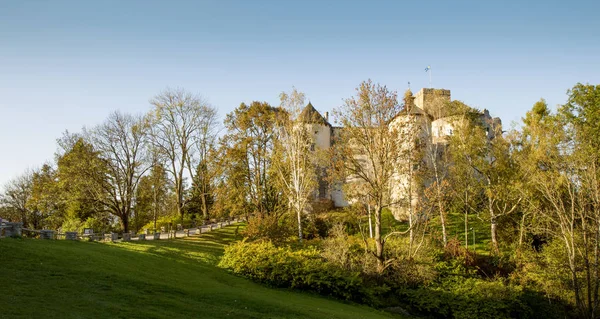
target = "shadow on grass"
x: 205, y: 248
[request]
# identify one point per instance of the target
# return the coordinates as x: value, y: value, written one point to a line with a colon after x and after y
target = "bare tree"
x: 121, y: 142
x: 183, y: 132
x: 17, y: 193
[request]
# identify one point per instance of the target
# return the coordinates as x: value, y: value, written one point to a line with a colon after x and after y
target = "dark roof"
x: 311, y: 115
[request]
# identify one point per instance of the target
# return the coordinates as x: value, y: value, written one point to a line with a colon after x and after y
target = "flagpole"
x: 430, y: 86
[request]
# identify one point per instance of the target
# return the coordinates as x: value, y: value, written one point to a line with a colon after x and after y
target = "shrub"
x: 164, y: 221
x: 269, y: 226
x: 461, y: 297
x: 302, y: 269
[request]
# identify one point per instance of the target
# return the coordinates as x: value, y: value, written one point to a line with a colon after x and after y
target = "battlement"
x: 432, y: 100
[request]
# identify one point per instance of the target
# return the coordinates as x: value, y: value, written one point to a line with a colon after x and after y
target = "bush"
x: 461, y: 297
x: 164, y: 221
x: 98, y: 225
x: 269, y: 227
x: 302, y: 269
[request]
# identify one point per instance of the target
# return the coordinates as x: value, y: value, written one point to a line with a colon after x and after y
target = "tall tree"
x: 367, y: 152
x: 121, y: 140
x: 562, y: 158
x: 296, y: 165
x: 249, y: 146
x: 183, y: 131
x: 82, y: 178
x: 46, y: 198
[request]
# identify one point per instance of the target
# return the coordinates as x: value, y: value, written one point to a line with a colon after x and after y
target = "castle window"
x: 323, y: 189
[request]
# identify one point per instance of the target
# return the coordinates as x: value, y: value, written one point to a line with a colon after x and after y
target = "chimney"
x: 327, y: 116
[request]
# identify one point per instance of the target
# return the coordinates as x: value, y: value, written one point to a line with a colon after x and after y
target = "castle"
x: 431, y: 111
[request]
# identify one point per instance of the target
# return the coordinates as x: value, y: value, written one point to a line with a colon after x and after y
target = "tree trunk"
x: 299, y: 213
x: 467, y: 222
x: 378, y: 240
x: 443, y: 221
x: 370, y: 222
x: 521, y: 231
x: 493, y: 228
x: 125, y: 222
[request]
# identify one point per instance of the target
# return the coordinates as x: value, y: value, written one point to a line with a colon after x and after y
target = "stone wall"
x: 432, y: 101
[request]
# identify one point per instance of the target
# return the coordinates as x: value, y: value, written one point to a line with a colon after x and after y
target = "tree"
x: 201, y: 197
x: 248, y: 150
x: 46, y: 198
x: 152, y: 196
x: 366, y: 152
x: 411, y: 130
x: 561, y: 153
x: 296, y: 165
x: 120, y: 141
x: 82, y: 179
x: 481, y: 147
x: 183, y: 131
x: 437, y: 191
x: 17, y: 192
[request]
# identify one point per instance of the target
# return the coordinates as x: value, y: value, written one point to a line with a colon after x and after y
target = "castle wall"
x: 432, y: 101
x: 426, y: 124
x: 321, y: 136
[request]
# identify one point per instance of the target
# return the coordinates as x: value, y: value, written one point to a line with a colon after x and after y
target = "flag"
x: 428, y: 68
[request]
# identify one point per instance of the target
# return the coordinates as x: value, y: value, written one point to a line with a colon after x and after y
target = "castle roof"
x: 311, y: 115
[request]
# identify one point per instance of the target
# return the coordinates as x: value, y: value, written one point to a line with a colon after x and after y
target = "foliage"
x: 269, y: 227
x: 366, y: 151
x: 302, y: 269
x: 476, y: 298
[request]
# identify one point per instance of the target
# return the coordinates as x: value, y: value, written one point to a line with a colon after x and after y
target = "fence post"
x: 13, y: 230
x: 46, y: 234
x: 71, y: 235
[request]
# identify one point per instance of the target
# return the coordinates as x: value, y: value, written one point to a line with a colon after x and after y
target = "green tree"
x: 481, y: 147
x: 247, y: 149
x: 46, y: 198
x: 152, y: 197
x: 82, y: 179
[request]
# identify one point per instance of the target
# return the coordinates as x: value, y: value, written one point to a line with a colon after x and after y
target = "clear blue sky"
x: 67, y: 64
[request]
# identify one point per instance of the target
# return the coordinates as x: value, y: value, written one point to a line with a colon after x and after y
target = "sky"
x: 68, y: 64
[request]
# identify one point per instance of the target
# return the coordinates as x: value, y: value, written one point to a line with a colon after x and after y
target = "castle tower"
x: 432, y: 101
x: 321, y: 132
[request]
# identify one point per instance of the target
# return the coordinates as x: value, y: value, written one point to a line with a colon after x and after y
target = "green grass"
x: 455, y: 228
x: 152, y: 279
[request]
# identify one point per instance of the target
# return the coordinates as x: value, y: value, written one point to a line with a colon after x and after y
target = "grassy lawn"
x: 152, y: 279
x: 455, y: 228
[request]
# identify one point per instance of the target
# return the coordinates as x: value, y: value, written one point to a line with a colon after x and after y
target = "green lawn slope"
x: 151, y: 279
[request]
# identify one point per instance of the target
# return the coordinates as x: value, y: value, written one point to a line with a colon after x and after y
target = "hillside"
x: 152, y: 279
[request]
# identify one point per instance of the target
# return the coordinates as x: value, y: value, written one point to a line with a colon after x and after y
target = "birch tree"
x: 296, y: 167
